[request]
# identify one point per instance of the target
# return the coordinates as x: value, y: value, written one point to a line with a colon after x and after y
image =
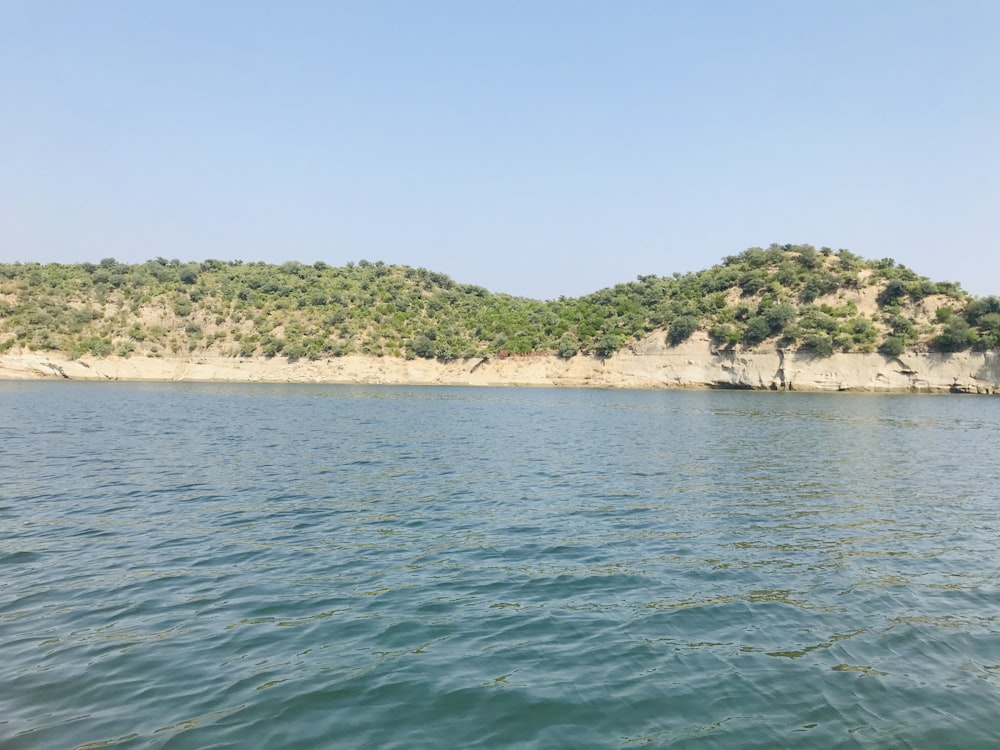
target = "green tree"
x: 568, y: 347
x: 779, y: 316
x: 956, y: 336
x: 817, y: 343
x: 894, y: 291
x: 893, y: 346
x: 757, y: 330
x: 424, y: 347
x: 681, y: 329
x: 607, y: 345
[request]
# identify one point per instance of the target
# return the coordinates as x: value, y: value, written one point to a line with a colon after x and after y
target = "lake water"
x: 227, y: 566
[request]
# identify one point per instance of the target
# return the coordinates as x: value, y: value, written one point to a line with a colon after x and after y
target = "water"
x: 223, y: 566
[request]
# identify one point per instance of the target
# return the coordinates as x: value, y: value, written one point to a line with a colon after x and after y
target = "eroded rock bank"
x: 646, y: 364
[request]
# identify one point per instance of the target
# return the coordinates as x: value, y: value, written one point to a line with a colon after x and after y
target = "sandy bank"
x: 647, y: 364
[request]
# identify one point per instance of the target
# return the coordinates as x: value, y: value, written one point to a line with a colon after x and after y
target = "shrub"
x: 273, y: 346
x: 843, y: 341
x: 893, y: 346
x: 979, y: 307
x: 894, y: 291
x: 445, y: 351
x: 902, y: 327
x: 862, y: 331
x: 956, y: 336
x: 989, y: 322
x: 294, y: 351
x: 567, y: 347
x: 815, y: 319
x: 423, y: 346
x: 808, y: 257
x: 779, y: 316
x: 681, y: 329
x: 757, y: 330
x: 97, y: 346
x: 607, y: 345
x: 817, y: 343
x: 724, y: 333
x: 182, y: 307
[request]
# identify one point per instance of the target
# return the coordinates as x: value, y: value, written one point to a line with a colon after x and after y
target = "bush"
x: 902, y: 327
x: 863, y: 333
x: 445, y: 351
x: 294, y: 351
x: 97, y: 346
x: 724, y: 333
x: 808, y: 257
x: 820, y: 320
x: 607, y: 345
x: 273, y: 346
x: 423, y: 347
x: 980, y: 308
x: 567, y: 347
x: 843, y: 341
x: 681, y: 329
x: 182, y: 307
x: 819, y: 344
x: 894, y: 291
x: 893, y: 346
x: 956, y: 336
x: 779, y: 316
x: 757, y: 330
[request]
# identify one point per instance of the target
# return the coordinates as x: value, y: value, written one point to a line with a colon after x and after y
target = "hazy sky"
x: 538, y: 148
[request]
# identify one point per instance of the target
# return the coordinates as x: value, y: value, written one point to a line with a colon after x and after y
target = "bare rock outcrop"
x: 648, y: 363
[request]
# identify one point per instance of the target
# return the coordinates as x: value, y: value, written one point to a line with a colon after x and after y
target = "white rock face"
x: 646, y: 364
x: 695, y: 364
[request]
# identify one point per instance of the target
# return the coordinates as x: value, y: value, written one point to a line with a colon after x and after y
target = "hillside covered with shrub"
x: 787, y: 296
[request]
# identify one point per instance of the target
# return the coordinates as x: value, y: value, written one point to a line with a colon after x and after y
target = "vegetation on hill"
x: 789, y: 296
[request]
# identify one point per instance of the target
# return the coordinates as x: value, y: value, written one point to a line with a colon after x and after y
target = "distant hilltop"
x: 793, y: 299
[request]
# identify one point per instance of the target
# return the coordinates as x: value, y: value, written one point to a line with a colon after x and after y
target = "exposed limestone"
x: 646, y: 364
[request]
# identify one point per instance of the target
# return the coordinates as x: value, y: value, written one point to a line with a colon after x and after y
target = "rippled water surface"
x: 223, y: 566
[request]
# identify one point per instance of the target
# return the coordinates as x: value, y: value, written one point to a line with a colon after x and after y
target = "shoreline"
x: 645, y: 365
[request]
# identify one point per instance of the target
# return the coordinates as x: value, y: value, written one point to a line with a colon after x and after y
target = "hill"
x: 786, y: 297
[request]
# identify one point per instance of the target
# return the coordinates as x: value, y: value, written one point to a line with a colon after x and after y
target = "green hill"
x: 789, y: 296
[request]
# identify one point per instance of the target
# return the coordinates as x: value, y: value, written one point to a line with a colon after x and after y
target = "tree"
x: 568, y: 347
x: 808, y: 256
x: 757, y: 330
x: 956, y: 336
x: 818, y: 343
x: 607, y: 345
x: 779, y: 316
x: 894, y: 291
x: 725, y: 333
x: 893, y: 346
x: 681, y: 329
x: 423, y: 347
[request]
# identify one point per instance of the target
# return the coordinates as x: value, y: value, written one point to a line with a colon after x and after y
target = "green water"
x: 209, y: 566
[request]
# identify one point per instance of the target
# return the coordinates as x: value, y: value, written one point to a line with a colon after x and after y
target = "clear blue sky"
x: 537, y: 148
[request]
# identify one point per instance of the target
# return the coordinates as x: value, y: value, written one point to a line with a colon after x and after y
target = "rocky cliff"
x: 646, y: 364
